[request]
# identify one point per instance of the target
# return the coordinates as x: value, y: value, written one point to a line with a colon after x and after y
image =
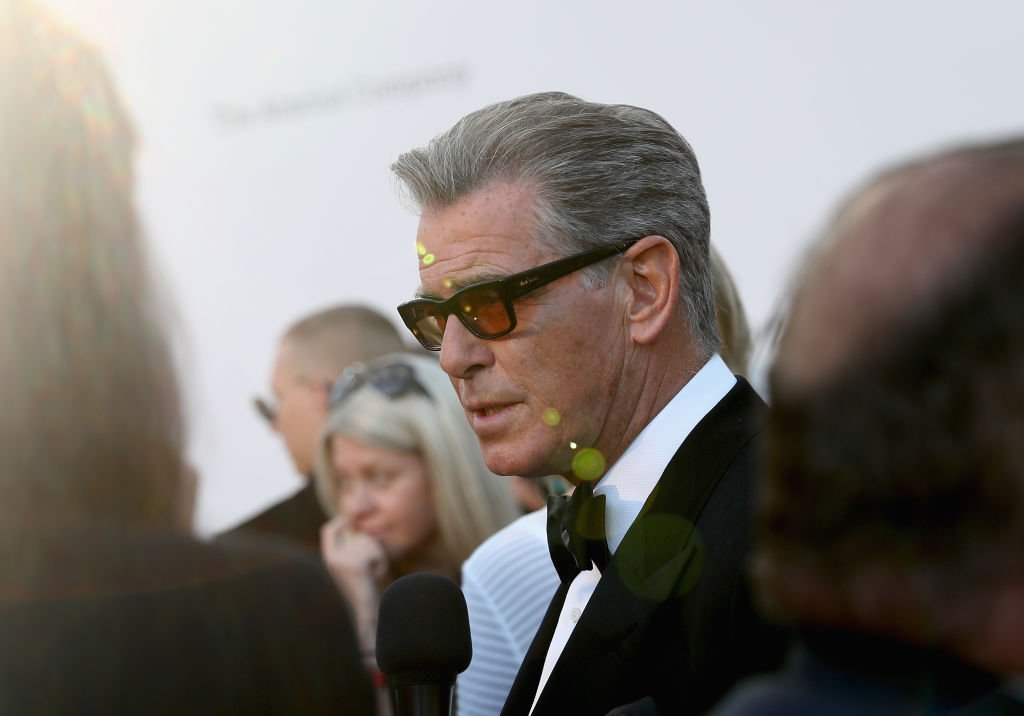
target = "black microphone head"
x: 423, y: 631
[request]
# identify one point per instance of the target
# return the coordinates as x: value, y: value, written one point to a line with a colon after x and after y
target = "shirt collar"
x: 630, y: 481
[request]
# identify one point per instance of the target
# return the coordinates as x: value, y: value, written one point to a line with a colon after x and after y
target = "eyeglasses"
x: 268, y: 407
x: 391, y: 379
x: 486, y: 308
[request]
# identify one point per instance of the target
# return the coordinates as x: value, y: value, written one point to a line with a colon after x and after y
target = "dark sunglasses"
x: 391, y: 379
x: 486, y: 308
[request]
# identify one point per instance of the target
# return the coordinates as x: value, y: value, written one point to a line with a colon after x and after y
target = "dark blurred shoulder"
x: 297, y: 519
x: 115, y: 620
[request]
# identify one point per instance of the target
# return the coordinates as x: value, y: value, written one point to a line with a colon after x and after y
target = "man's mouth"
x: 486, y: 412
x: 488, y: 417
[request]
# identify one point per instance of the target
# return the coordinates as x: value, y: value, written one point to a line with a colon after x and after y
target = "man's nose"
x: 463, y: 353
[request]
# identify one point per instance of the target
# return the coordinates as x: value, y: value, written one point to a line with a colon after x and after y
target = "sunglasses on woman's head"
x: 486, y: 308
x: 391, y: 379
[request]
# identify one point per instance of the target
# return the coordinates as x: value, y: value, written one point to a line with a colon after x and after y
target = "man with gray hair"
x: 311, y: 355
x: 568, y: 242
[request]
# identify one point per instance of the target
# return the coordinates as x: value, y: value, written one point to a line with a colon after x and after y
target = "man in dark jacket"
x: 564, y: 266
x: 311, y: 355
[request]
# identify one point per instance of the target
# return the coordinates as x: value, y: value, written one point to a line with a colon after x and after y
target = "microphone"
x: 423, y: 642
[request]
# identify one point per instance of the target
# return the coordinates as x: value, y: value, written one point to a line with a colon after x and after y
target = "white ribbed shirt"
x: 508, y: 582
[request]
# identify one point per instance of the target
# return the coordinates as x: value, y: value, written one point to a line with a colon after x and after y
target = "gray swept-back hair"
x: 601, y: 173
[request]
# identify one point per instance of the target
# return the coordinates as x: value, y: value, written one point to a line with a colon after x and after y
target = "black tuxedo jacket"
x: 297, y: 519
x: 671, y: 622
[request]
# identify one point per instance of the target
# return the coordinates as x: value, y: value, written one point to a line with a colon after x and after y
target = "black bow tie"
x: 576, y: 538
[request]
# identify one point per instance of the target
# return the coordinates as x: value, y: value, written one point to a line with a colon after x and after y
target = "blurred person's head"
x: 540, y: 178
x: 91, y: 428
x: 311, y: 354
x: 398, y: 461
x: 893, y: 494
x: 730, y: 317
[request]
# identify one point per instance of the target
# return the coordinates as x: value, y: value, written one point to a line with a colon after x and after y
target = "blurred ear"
x: 652, y: 267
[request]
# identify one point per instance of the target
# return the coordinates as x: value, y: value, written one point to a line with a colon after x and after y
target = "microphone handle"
x: 422, y: 699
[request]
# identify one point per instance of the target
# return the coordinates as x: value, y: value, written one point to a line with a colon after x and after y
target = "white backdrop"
x: 267, y: 129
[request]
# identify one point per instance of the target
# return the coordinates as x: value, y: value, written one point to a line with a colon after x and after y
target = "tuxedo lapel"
x: 661, y: 556
x: 603, y: 640
x: 663, y: 552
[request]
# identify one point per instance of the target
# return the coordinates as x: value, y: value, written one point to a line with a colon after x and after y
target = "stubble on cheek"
x: 578, y: 434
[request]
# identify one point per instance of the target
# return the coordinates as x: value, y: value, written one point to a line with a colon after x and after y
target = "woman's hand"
x: 352, y: 557
x: 359, y: 567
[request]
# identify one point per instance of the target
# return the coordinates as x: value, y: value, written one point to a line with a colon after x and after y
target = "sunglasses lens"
x: 429, y: 327
x: 393, y: 380
x: 484, y: 312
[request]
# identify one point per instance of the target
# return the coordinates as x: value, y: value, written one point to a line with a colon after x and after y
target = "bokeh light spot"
x: 448, y: 283
x: 665, y: 555
x: 429, y: 259
x: 572, y: 445
x: 588, y: 464
x: 421, y: 249
x: 551, y: 417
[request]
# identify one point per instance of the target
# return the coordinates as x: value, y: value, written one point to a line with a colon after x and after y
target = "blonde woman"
x: 401, y: 471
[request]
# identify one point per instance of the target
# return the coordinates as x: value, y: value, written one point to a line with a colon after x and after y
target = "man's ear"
x: 652, y: 266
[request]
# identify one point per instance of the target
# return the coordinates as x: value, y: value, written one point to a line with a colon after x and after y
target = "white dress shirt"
x: 630, y: 481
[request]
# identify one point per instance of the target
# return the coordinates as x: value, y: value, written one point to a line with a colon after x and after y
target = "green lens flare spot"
x: 551, y: 417
x: 429, y: 259
x: 588, y: 464
x: 421, y: 249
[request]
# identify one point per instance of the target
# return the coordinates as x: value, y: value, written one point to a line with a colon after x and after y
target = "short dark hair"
x: 330, y: 339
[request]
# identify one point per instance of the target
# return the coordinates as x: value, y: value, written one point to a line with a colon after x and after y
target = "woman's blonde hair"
x: 91, y: 427
x: 730, y: 317
x: 471, y: 502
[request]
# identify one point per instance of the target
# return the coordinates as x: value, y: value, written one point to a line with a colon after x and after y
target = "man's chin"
x: 506, y: 459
